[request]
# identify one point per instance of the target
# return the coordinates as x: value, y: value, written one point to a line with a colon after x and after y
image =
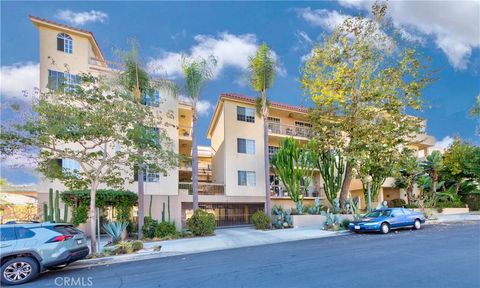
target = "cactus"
x: 57, y: 207
x: 332, y: 168
x: 332, y: 221
x: 45, y: 212
x: 51, y: 212
x: 65, y: 213
x: 163, y: 212
x: 50, y: 203
x: 168, y: 201
x: 281, y: 218
x: 150, y: 207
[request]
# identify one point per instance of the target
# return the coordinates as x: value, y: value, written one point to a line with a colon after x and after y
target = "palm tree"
x: 196, y: 73
x: 262, y: 75
x: 432, y: 166
x: 141, y: 84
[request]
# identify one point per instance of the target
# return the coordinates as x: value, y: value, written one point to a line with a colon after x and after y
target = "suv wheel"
x: 19, y: 270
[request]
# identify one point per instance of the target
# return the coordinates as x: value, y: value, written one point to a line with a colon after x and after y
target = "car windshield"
x: 378, y: 213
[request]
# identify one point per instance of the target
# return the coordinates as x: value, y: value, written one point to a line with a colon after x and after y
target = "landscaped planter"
x: 307, y: 220
x: 445, y: 211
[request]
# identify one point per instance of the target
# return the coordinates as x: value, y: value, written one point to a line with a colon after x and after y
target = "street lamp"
x: 368, y: 179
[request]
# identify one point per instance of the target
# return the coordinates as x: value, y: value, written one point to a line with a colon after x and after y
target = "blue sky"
x: 446, y: 31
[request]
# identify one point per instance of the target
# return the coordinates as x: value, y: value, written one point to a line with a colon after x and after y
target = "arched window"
x: 64, y: 43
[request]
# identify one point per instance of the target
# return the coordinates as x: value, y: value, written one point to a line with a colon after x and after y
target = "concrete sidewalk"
x: 456, y: 217
x: 223, y: 239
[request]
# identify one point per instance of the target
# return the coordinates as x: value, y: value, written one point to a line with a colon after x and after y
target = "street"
x: 441, y: 255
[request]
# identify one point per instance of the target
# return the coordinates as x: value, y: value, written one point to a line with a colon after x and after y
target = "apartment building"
x: 231, y: 177
x: 65, y: 52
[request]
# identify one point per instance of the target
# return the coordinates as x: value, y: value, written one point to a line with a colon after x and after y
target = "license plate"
x: 357, y: 227
x: 79, y: 241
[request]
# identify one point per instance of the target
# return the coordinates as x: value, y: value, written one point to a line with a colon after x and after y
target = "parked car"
x: 384, y: 220
x: 27, y: 249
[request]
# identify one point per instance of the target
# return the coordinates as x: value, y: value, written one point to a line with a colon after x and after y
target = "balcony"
x: 279, y: 191
x: 185, y: 133
x: 289, y: 130
x: 204, y: 188
x: 98, y: 64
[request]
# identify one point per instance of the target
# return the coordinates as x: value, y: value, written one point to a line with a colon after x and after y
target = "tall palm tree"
x: 141, y: 84
x: 432, y: 166
x: 262, y: 74
x: 196, y: 73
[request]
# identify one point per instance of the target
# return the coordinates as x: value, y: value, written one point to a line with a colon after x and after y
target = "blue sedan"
x: 386, y: 219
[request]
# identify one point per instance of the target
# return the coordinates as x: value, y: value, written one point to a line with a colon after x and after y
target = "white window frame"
x: 249, y: 146
x: 250, y: 178
x: 247, y: 116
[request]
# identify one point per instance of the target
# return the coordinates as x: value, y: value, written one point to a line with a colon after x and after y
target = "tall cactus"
x: 332, y: 168
x: 168, y: 201
x: 50, y: 203
x: 45, y: 212
x: 150, y: 207
x: 57, y: 207
x: 65, y: 213
x: 163, y: 212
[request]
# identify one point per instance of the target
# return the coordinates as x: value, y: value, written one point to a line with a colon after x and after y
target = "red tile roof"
x: 235, y: 96
x: 68, y: 27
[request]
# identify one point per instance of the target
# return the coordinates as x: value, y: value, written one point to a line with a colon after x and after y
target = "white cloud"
x: 453, y: 25
x: 23, y: 160
x: 444, y: 143
x: 203, y: 106
x: 230, y: 51
x: 81, y: 18
x: 321, y: 17
x: 19, y: 81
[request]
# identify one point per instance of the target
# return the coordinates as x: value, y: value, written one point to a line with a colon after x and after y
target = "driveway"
x: 442, y: 255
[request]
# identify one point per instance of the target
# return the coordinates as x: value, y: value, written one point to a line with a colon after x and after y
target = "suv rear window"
x: 66, y: 230
x: 24, y: 233
x: 7, y: 234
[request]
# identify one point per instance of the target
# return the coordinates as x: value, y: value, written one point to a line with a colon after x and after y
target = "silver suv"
x: 30, y: 248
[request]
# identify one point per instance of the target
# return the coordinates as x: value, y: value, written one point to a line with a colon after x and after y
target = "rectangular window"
x: 246, y: 178
x: 245, y: 146
x: 302, y: 129
x: 274, y: 125
x: 70, y: 165
x: 152, y: 100
x: 59, y: 79
x: 148, y: 176
x: 245, y: 114
x: 272, y: 150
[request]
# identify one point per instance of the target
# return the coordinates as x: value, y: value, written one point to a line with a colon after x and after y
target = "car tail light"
x: 60, y: 238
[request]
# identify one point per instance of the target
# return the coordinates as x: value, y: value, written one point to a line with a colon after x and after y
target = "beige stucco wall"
x: 218, y: 146
x: 237, y: 161
x: 60, y: 61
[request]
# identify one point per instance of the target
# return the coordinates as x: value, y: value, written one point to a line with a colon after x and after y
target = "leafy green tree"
x: 295, y: 165
x: 378, y: 162
x: 409, y: 170
x: 432, y: 165
x: 82, y: 123
x: 461, y: 162
x: 361, y: 81
x: 152, y: 147
x: 196, y: 72
x: 262, y: 74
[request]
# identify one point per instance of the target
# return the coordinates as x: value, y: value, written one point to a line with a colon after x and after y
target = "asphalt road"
x: 443, y: 255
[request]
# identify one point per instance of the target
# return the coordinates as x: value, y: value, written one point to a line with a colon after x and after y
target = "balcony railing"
x: 289, y: 130
x: 97, y: 62
x: 203, y: 188
x: 281, y: 191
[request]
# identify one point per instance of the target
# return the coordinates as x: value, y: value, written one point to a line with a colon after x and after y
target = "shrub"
x: 124, y: 247
x: 345, y: 223
x: 149, y: 227
x: 449, y: 204
x: 261, y: 220
x: 137, y: 245
x: 80, y: 215
x: 201, y: 223
x: 398, y: 203
x: 165, y: 229
x: 472, y: 200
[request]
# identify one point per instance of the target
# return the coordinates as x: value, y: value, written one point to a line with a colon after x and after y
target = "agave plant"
x: 115, y: 230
